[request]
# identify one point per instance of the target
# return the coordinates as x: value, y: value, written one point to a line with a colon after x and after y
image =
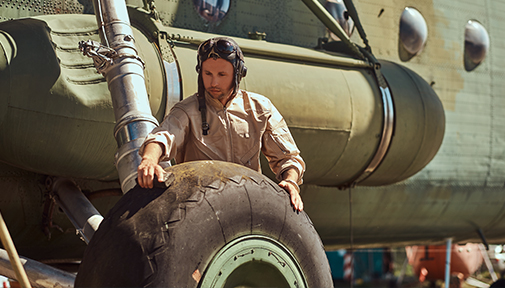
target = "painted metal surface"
x: 346, y: 115
x: 65, y: 95
x: 445, y: 199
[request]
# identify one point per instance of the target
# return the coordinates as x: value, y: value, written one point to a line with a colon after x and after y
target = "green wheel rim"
x: 254, y: 261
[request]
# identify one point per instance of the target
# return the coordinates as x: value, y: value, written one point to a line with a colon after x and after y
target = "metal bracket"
x: 387, y: 130
x: 166, y: 44
x: 103, y: 57
x: 47, y: 214
x: 151, y: 7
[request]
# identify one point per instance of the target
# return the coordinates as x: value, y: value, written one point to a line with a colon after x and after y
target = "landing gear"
x: 214, y: 224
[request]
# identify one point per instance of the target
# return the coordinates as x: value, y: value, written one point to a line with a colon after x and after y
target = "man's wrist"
x: 294, y: 183
x: 153, y: 152
x: 148, y: 158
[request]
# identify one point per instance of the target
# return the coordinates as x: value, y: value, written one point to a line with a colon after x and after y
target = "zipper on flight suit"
x: 230, y: 155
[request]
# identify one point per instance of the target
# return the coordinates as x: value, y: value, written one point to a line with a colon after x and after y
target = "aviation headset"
x: 218, y: 47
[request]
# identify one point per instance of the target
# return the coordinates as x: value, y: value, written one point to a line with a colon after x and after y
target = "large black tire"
x: 216, y: 225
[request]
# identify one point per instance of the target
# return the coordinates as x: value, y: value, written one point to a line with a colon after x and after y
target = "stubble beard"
x: 221, y: 95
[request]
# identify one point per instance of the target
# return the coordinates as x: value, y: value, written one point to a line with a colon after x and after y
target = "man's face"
x: 217, y: 78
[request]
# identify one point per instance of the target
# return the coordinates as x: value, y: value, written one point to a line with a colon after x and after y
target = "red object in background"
x: 348, y: 266
x: 429, y: 261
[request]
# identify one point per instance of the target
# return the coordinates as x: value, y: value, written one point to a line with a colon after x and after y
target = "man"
x: 221, y: 122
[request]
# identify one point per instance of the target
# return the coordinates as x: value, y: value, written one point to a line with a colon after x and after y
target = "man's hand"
x: 296, y: 199
x: 150, y: 167
x: 146, y: 171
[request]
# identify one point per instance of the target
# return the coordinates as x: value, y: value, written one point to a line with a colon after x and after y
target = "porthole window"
x: 212, y: 10
x: 413, y: 33
x: 338, y: 10
x: 476, y: 44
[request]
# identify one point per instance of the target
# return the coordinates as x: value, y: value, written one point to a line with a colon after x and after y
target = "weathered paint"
x: 458, y: 192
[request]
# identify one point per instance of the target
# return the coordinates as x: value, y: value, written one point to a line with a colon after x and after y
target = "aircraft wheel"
x: 214, y: 224
x: 500, y: 283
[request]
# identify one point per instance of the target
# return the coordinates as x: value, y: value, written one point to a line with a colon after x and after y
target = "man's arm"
x: 283, y: 156
x: 290, y: 178
x: 149, y: 165
x: 161, y: 144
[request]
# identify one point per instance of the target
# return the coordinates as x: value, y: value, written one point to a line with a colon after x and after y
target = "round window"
x: 413, y: 33
x: 212, y: 10
x: 476, y: 44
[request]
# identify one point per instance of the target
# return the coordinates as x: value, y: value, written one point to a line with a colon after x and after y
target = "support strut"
x: 448, y: 250
x: 77, y: 207
x: 13, y: 256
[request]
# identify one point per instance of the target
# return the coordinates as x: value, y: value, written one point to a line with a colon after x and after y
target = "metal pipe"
x: 324, y: 16
x: 125, y: 78
x: 354, y: 15
x: 39, y: 274
x: 448, y: 250
x: 13, y: 255
x: 83, y: 215
x: 276, y: 50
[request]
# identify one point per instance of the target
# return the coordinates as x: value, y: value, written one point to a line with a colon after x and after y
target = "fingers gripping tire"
x: 217, y: 224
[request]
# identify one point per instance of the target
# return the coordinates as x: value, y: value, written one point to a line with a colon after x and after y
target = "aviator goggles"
x: 220, y: 46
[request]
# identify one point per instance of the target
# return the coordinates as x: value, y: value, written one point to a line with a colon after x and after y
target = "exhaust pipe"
x: 123, y: 69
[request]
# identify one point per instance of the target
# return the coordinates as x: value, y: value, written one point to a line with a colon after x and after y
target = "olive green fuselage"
x: 56, y: 117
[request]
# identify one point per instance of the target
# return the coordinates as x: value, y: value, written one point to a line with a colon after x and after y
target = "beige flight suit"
x: 249, y: 123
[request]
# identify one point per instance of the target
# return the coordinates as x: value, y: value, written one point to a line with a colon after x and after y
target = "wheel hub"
x: 254, y: 261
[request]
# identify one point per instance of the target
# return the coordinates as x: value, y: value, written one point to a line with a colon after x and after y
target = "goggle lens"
x: 224, y: 46
x: 221, y: 46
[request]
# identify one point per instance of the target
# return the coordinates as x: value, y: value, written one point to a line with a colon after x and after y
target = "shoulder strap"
x: 203, y: 111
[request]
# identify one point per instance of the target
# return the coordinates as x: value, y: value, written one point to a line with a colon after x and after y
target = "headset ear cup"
x: 244, y: 71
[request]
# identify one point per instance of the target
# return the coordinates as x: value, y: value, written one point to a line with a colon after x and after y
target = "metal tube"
x: 125, y: 77
x: 83, y: 215
x: 324, y: 16
x: 448, y: 251
x: 354, y: 15
x: 39, y: 274
x: 13, y: 254
x: 279, y: 51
